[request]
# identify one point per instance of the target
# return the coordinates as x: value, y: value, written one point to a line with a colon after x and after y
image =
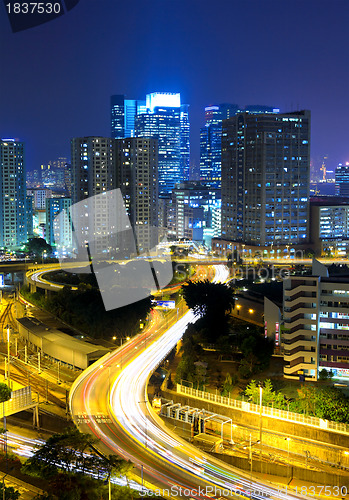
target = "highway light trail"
x: 110, y: 400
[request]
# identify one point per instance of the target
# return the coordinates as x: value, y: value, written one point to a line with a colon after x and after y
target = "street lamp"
x: 251, y: 463
x: 288, y: 454
x: 260, y: 416
x: 8, y: 356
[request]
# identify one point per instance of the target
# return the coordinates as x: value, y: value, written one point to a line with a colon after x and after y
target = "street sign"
x: 166, y: 304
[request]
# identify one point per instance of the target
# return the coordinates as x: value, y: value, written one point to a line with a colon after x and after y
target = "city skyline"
x: 51, y: 92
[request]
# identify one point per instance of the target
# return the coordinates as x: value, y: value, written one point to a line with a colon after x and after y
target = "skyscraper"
x: 137, y: 177
x: 93, y: 166
x: 123, y: 114
x: 211, y: 142
x: 167, y: 120
x: 93, y: 173
x: 211, y: 138
x: 265, y: 178
x: 58, y: 232
x: 163, y: 117
x: 13, y: 223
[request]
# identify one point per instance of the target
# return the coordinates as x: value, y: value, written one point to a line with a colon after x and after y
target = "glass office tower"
x: 211, y: 143
x: 123, y: 114
x: 211, y: 138
x: 167, y: 120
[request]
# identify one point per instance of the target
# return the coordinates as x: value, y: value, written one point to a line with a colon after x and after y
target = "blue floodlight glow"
x: 164, y: 99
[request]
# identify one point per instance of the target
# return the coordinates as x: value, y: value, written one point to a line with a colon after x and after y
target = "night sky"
x: 56, y: 79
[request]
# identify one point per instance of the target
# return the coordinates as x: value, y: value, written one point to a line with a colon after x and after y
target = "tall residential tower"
x: 94, y: 173
x: 137, y: 177
x: 13, y: 219
x: 265, y: 178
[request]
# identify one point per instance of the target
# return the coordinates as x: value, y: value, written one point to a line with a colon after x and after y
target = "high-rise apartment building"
x: 93, y: 173
x: 58, y: 231
x: 316, y: 325
x: 163, y: 117
x: 13, y: 223
x: 342, y: 180
x: 211, y: 138
x: 137, y: 177
x: 39, y: 196
x: 68, y: 179
x: 29, y: 216
x: 93, y: 166
x: 265, y: 178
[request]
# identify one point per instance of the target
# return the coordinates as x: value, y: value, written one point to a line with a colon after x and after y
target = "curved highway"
x: 109, y: 399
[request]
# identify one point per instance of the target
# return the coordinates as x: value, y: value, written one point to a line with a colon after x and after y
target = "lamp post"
x: 8, y: 356
x: 288, y: 455
x: 251, y: 463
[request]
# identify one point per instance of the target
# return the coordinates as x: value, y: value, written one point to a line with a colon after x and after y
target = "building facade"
x: 211, y: 138
x: 195, y: 212
x: 137, y: 177
x: 167, y: 120
x: 161, y: 116
x: 13, y: 218
x: 316, y: 326
x: 342, y: 180
x: 265, y: 178
x: 94, y: 173
x: 58, y: 231
x: 123, y: 114
x: 39, y: 197
x: 211, y: 142
x: 329, y: 225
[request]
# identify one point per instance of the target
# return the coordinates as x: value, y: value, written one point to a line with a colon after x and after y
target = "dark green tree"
x: 228, y: 384
x: 5, y: 392
x: 116, y: 466
x: 65, y: 452
x: 38, y: 246
x: 208, y: 299
x: 212, y: 302
x: 8, y: 493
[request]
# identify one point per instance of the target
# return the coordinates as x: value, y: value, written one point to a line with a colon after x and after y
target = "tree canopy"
x: 65, y: 460
x: 208, y: 299
x: 5, y: 392
x: 38, y: 246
